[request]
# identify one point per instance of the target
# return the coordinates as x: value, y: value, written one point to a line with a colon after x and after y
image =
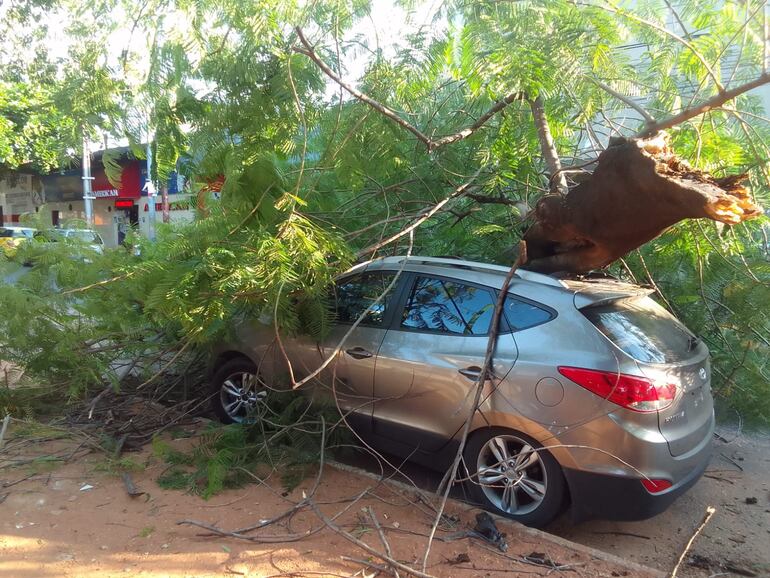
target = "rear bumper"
x: 610, y: 497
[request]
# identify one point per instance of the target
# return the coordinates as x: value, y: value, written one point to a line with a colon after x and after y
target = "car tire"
x: 531, y: 491
x: 237, y: 392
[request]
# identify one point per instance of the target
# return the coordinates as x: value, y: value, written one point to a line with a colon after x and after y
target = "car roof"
x: 586, y: 291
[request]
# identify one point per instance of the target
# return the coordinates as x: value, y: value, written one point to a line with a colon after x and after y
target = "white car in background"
x: 91, y: 238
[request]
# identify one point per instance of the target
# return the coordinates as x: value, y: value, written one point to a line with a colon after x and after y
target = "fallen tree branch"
x: 430, y: 143
x: 624, y: 99
x: 364, y: 546
x: 446, y: 482
x: 458, y: 192
x: 715, y: 102
x: 383, y: 539
x: 558, y: 182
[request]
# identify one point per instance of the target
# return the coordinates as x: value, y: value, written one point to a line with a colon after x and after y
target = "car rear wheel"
x: 239, y: 394
x: 512, y: 475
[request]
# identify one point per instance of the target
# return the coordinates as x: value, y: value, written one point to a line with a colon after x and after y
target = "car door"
x: 429, y: 362
x: 348, y: 381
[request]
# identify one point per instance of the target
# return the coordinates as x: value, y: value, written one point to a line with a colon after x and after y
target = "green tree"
x: 315, y: 176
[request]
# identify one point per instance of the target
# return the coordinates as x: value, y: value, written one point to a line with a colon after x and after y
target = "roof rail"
x: 523, y: 274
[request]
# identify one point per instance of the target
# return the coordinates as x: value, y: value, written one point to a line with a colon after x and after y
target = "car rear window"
x: 643, y: 329
x: 523, y: 314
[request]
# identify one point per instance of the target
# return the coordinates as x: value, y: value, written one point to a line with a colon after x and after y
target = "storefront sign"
x: 67, y: 185
x: 100, y: 194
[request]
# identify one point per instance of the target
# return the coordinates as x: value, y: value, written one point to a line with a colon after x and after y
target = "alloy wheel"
x: 242, y: 395
x: 511, y: 474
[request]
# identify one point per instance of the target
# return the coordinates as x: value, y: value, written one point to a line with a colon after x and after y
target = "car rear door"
x: 430, y: 359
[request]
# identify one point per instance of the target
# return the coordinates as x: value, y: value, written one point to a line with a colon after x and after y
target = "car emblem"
x: 702, y: 373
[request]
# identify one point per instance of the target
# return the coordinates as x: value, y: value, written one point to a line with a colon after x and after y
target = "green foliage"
x: 285, y: 440
x: 30, y: 402
x: 310, y: 176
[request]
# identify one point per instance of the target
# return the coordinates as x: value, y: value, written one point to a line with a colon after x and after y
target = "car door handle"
x: 358, y: 353
x: 473, y: 373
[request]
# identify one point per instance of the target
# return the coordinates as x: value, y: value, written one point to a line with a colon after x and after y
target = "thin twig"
x: 331, y: 357
x: 624, y: 99
x: 483, y: 376
x: 709, y: 513
x: 430, y: 143
x: 364, y: 546
x: 383, y: 539
x: 458, y: 192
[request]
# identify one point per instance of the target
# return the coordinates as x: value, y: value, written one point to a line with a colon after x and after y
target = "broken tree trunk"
x: 638, y: 190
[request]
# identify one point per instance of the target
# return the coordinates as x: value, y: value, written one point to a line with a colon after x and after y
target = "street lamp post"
x: 88, y: 198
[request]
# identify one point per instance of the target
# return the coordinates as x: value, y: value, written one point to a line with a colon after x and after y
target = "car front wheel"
x: 238, y: 394
x: 512, y: 475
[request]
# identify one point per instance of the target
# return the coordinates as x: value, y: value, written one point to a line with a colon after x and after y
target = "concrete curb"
x: 532, y: 532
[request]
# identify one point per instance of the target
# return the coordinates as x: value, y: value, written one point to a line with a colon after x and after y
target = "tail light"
x: 629, y: 391
x: 656, y: 486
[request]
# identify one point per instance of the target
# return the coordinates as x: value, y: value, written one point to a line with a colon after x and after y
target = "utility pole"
x: 151, y: 193
x: 88, y: 198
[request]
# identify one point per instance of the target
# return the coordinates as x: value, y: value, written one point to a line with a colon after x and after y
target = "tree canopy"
x: 315, y: 176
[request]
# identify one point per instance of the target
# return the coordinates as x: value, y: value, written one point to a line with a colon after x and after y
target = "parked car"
x: 600, y: 400
x: 13, y: 236
x: 91, y: 238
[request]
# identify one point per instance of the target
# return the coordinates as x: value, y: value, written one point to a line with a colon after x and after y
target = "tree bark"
x: 558, y: 181
x: 638, y: 190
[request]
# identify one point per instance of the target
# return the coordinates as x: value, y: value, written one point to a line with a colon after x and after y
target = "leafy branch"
x: 432, y: 144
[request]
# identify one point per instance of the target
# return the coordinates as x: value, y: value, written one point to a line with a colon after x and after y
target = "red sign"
x: 130, y: 179
x: 124, y: 204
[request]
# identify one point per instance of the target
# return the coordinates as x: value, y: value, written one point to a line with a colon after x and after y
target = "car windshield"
x: 87, y: 236
x: 643, y: 329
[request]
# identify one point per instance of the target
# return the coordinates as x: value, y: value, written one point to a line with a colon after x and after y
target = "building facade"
x: 20, y: 194
x: 57, y: 199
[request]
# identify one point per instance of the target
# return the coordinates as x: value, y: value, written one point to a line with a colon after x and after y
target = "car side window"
x: 354, y: 294
x: 448, y: 307
x: 522, y: 314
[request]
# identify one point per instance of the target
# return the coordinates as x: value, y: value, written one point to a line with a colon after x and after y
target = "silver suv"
x: 599, y: 398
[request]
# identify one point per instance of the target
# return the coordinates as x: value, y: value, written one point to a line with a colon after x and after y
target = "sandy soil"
x: 74, y: 520
x: 736, y: 541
